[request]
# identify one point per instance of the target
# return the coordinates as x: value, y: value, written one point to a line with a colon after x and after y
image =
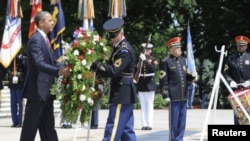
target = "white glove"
x: 246, y: 84
x: 142, y: 56
x: 233, y: 84
x: 167, y: 99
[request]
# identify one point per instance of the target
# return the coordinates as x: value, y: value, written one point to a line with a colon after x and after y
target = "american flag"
x: 36, y: 7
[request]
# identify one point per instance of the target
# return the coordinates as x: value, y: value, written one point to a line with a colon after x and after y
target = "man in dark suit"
x: 41, y: 71
x: 120, y: 122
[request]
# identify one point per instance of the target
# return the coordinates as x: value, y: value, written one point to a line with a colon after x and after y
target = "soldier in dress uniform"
x: 146, y: 85
x: 120, y: 122
x: 173, y: 81
x: 16, y: 75
x: 237, y: 67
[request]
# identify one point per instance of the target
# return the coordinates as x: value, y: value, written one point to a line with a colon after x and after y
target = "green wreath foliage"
x: 81, y: 91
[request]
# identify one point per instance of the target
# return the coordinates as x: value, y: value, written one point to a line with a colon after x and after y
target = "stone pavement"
x: 194, y: 126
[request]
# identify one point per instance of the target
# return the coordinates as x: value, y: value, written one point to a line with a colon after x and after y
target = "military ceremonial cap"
x: 113, y: 25
x: 174, y: 42
x: 148, y: 45
x: 242, y: 40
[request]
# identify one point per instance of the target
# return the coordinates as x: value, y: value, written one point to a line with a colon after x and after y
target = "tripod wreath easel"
x: 79, y: 116
x: 214, y: 94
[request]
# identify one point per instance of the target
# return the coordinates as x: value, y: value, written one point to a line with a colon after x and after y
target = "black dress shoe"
x: 13, y: 125
x: 19, y: 125
x: 148, y: 128
x: 144, y: 128
x: 94, y: 127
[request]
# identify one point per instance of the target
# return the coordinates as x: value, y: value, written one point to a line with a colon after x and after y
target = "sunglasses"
x: 112, y: 35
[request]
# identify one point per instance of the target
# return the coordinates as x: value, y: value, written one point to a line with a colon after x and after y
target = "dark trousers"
x: 95, y: 116
x: 190, y: 96
x: 39, y: 115
x: 16, y: 105
x: 177, y: 120
x: 120, y: 123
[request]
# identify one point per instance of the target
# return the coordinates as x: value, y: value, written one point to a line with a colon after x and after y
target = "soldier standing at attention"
x: 146, y: 86
x: 121, y: 67
x: 173, y: 73
x: 16, y: 76
x: 237, y: 67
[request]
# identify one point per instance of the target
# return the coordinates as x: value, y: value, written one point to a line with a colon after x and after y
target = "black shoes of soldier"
x: 94, y: 127
x: 66, y: 126
x: 16, y: 125
x: 146, y: 128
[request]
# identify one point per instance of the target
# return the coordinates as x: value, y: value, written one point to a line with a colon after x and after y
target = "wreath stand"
x: 214, y: 94
x: 79, y: 116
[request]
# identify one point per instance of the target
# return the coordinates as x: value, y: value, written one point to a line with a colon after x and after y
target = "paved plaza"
x: 195, y: 124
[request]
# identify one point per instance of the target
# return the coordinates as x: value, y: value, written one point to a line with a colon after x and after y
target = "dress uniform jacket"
x: 173, y: 77
x: 121, y: 70
x: 237, y: 68
x: 21, y: 66
x: 147, y: 76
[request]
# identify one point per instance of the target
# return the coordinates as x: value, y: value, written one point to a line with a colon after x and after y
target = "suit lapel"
x: 47, y: 48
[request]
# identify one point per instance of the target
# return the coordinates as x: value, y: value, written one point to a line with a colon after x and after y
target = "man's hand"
x: 142, y: 56
x: 246, y: 84
x: 165, y: 94
x: 94, y: 65
x: 233, y: 84
x: 167, y: 99
x: 65, y: 71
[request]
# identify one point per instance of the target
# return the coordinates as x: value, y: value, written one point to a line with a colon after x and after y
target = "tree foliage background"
x: 212, y: 23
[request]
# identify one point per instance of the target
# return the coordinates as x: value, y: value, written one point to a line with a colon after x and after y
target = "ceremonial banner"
x: 11, y: 41
x: 56, y: 35
x: 36, y: 7
x: 190, y: 54
x: 86, y: 12
x: 117, y: 8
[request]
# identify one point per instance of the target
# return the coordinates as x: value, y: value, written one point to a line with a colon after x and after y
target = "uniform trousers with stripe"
x: 147, y: 107
x: 177, y: 120
x: 120, y: 123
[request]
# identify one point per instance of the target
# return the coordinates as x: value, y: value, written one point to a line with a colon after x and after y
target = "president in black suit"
x: 41, y: 71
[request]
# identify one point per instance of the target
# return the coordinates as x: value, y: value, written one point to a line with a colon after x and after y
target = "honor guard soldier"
x: 237, y: 67
x: 173, y: 81
x: 16, y: 76
x: 146, y: 85
x: 120, y: 122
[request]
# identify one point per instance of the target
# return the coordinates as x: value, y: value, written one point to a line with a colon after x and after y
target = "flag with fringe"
x: 86, y: 12
x: 36, y: 7
x: 12, y: 40
x: 57, y: 33
x: 190, y: 54
x: 117, y: 8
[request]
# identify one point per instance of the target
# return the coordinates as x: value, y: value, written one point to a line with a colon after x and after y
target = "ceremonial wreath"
x: 82, y: 90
